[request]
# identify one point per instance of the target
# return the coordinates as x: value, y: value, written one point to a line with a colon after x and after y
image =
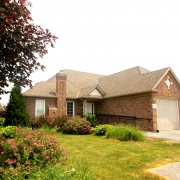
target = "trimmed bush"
x: 125, y: 133
x: 101, y: 129
x: 92, y: 119
x: 77, y: 125
x: 28, y: 152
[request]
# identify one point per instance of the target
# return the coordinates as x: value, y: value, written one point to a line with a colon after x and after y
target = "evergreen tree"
x: 16, y: 114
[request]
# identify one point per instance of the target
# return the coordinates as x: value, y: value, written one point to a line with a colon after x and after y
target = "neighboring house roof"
x: 81, y: 84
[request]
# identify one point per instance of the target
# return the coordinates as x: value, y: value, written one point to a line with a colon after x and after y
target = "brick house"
x: 153, y: 98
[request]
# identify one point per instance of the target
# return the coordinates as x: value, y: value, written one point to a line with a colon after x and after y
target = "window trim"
x: 43, y: 107
x: 73, y: 107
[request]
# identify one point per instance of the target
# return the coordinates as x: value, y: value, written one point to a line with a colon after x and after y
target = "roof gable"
x: 92, y: 91
x: 168, y: 70
x: 95, y: 92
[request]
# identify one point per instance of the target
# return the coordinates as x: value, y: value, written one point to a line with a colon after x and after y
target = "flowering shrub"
x: 77, y: 125
x: 28, y: 152
x: 42, y: 120
x: 101, y: 129
x: 59, y: 121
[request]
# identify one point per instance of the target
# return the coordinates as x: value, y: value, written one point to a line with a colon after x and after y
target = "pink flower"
x: 2, y: 153
x: 1, y: 169
x: 13, y: 147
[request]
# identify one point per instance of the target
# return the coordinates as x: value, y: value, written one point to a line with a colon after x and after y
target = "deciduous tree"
x: 21, y: 43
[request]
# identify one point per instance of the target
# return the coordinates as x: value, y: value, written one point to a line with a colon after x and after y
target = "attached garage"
x: 167, y: 114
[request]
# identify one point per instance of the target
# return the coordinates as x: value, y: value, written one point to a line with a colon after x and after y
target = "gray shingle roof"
x: 134, y: 80
x: 130, y: 81
x: 76, y: 80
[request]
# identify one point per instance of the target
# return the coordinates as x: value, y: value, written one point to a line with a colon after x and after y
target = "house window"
x: 70, y: 108
x: 40, y: 107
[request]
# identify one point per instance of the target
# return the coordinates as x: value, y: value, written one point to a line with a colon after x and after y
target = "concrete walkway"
x: 172, y: 135
x: 171, y: 171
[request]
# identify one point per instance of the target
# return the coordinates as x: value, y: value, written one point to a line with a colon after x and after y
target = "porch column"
x: 85, y: 106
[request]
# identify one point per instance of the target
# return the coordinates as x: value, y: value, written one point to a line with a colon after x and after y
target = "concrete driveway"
x: 172, y: 135
x: 170, y: 171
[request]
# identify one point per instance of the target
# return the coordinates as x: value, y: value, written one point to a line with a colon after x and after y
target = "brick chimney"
x: 61, y: 92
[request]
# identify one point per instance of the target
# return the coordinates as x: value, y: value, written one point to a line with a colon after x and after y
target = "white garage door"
x: 167, y: 114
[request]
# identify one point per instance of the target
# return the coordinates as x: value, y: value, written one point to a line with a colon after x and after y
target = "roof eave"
x: 37, y: 96
x: 133, y: 94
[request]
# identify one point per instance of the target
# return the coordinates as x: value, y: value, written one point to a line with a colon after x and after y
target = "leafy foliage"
x: 92, y: 119
x: 28, y: 152
x: 16, y: 113
x: 125, y: 133
x: 8, y: 131
x: 2, y: 120
x: 77, y: 125
x: 43, y: 120
x: 21, y: 43
x: 101, y: 129
x: 61, y: 120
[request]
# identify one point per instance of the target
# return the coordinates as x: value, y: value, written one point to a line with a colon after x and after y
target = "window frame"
x: 42, y: 100
x: 72, y: 108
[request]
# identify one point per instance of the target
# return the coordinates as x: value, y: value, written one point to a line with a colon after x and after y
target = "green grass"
x: 109, y: 159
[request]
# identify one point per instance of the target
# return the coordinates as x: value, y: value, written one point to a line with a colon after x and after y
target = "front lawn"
x: 109, y: 159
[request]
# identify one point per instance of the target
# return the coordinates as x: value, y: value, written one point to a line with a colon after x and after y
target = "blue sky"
x: 108, y: 36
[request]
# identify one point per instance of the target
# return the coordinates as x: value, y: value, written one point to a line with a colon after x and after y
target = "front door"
x: 90, y: 108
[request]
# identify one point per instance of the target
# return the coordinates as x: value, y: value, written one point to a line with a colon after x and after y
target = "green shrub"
x: 8, y: 131
x: 29, y: 152
x: 59, y: 121
x: 16, y: 114
x: 101, y: 129
x: 2, y: 120
x: 125, y: 133
x: 77, y: 125
x: 42, y: 120
x: 92, y: 119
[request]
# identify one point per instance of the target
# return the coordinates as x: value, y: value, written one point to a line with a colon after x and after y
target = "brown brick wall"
x: 78, y: 107
x: 139, y: 106
x: 61, y: 93
x: 174, y: 90
x: 31, y: 102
